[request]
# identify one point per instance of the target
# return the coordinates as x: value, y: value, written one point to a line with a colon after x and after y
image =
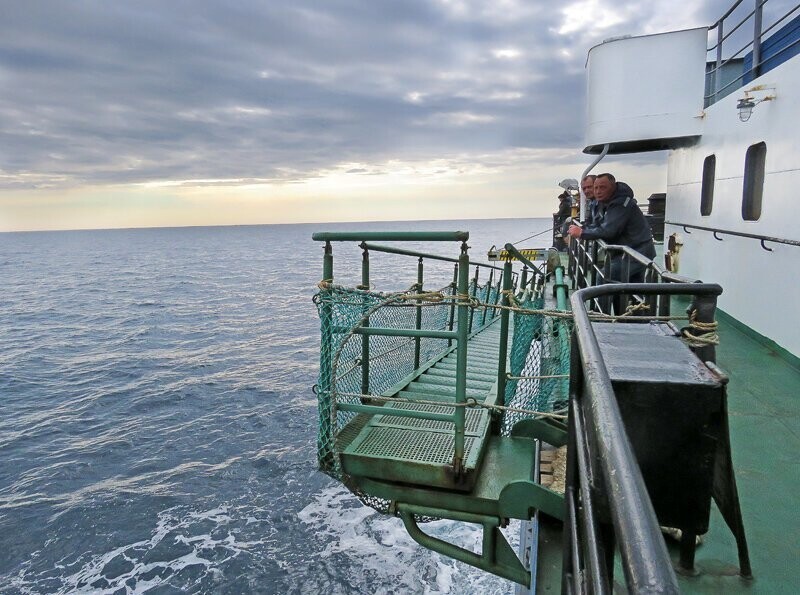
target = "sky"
x: 156, y: 113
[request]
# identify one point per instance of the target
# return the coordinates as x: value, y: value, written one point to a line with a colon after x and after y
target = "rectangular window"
x: 753, y: 187
x: 707, y: 189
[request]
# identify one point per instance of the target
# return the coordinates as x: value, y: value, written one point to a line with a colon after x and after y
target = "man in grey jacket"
x: 622, y: 223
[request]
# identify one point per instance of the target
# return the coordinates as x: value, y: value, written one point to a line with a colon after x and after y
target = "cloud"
x: 190, y: 92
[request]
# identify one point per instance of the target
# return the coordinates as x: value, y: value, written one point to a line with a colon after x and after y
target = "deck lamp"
x: 746, y: 104
x: 745, y: 107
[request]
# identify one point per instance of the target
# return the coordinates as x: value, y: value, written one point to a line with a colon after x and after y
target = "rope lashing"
x: 544, y: 377
x: 471, y: 403
x: 510, y: 296
x: 632, y: 309
x: 435, y: 298
x: 707, y: 332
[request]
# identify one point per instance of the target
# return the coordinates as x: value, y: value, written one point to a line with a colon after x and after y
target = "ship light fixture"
x: 746, y: 104
x: 745, y: 107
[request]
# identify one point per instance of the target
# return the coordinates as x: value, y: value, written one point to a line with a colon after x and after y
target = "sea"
x: 157, y: 420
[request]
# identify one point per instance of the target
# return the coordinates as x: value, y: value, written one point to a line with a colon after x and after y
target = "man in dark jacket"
x: 622, y: 223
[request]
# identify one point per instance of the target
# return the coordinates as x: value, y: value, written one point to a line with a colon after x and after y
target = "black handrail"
x: 645, y: 560
x: 740, y: 234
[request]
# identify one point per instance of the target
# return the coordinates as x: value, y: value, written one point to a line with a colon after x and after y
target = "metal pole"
x: 524, y: 280
x: 365, y: 338
x: 497, y: 294
x: 504, y: 320
x: 325, y: 437
x: 419, y: 313
x: 461, y: 357
x: 453, y: 303
x: 561, y: 289
x: 474, y: 294
x: 488, y: 291
x: 757, y: 18
x: 704, y: 308
x: 718, y: 71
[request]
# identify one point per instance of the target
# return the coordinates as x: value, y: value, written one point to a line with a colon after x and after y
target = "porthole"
x: 753, y: 185
x: 707, y: 188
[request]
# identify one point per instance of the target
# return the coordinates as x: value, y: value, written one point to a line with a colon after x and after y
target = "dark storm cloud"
x: 120, y: 92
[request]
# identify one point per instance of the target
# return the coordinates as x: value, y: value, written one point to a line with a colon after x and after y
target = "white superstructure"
x: 751, y: 169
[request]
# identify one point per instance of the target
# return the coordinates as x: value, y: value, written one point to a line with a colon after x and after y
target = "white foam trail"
x: 381, y: 556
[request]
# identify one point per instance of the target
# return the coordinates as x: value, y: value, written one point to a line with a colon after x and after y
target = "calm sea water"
x: 157, y: 426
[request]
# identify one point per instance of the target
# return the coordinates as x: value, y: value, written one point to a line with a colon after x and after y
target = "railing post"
x: 593, y: 271
x: 488, y: 295
x: 325, y: 436
x: 365, y: 309
x: 497, y: 295
x: 419, y: 313
x: 718, y: 71
x: 453, y: 303
x: 504, y: 321
x: 461, y: 357
x: 757, y: 19
x: 474, y: 294
x: 703, y: 308
x: 524, y: 278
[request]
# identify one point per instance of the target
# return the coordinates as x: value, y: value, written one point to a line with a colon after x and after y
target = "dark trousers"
x: 622, y: 270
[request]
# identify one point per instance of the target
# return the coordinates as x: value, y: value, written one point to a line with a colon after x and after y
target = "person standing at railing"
x: 622, y: 223
x: 593, y: 211
x: 561, y: 219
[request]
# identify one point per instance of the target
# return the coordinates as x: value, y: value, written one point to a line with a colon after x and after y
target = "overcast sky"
x: 118, y: 114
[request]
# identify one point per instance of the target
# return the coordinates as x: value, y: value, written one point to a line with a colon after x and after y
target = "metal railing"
x: 754, y: 45
x: 607, y: 504
x: 590, y: 264
x: 716, y: 231
x: 462, y: 319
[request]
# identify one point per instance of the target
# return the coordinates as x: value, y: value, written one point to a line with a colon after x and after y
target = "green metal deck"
x: 420, y: 451
x: 764, y: 415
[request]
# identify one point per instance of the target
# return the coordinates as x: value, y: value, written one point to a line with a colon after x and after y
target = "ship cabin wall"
x: 760, y: 288
x: 639, y: 101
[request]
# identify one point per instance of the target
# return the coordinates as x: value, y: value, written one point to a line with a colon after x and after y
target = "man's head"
x: 604, y: 187
x: 587, y: 185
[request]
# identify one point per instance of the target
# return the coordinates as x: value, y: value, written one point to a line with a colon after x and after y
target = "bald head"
x: 604, y: 187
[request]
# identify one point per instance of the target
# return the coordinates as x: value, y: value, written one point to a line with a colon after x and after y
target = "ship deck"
x: 764, y: 414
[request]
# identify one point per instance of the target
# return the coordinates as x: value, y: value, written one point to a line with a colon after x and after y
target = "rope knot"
x: 700, y: 334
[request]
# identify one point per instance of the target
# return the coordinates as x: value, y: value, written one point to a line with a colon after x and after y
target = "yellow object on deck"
x: 529, y: 253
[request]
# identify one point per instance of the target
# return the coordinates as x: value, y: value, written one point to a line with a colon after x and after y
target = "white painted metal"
x: 648, y: 87
x: 761, y: 289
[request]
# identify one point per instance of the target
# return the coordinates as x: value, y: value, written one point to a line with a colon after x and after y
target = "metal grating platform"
x: 419, y: 451
x: 401, y: 444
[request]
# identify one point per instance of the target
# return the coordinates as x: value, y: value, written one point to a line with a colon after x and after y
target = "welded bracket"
x: 497, y: 556
x: 547, y: 430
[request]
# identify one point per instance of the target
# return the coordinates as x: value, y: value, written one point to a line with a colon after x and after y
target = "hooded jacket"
x: 623, y: 223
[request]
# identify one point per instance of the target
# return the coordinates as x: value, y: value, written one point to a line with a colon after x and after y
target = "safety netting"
x: 347, y: 377
x: 353, y: 368
x: 538, y: 377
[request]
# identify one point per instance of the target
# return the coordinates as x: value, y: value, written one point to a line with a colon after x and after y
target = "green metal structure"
x: 436, y: 404
x: 415, y: 389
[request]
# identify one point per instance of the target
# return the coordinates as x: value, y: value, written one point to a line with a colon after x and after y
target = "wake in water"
x: 382, y: 558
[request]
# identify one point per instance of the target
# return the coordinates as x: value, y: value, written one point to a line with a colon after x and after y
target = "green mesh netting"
x: 540, y: 347
x: 390, y: 360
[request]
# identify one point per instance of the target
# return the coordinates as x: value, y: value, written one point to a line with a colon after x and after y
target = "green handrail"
x: 390, y: 236
x: 405, y: 252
